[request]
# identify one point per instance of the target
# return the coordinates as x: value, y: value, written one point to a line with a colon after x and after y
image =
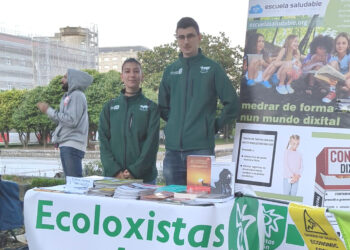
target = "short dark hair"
x: 186, y: 22
x: 131, y: 60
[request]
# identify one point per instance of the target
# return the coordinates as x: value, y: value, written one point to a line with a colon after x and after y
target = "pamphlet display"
x: 293, y: 133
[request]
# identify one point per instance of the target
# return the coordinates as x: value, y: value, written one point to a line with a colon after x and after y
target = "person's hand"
x: 333, y: 82
x: 120, y: 175
x: 292, y: 179
x: 128, y: 175
x: 42, y: 106
x: 295, y: 178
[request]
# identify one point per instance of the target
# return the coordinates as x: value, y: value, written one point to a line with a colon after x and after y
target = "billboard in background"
x: 292, y: 137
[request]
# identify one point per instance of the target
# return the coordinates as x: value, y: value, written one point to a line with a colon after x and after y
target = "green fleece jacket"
x: 188, y: 100
x: 129, y: 136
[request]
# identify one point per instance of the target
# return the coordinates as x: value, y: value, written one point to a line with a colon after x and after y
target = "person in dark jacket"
x: 72, y: 118
x: 188, y: 101
x: 129, y: 130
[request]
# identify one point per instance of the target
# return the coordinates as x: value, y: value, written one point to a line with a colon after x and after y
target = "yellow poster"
x: 314, y: 227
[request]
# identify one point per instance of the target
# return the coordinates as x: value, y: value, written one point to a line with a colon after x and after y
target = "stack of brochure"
x: 157, y: 196
x: 107, y: 186
x: 134, y: 191
x: 114, y: 182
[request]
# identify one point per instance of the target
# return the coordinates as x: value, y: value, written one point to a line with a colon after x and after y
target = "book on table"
x: 198, y: 173
x: 222, y: 177
x: 215, y: 198
x: 157, y: 196
x: 207, y: 199
x: 103, y: 191
x: 134, y: 190
x: 172, y: 188
x: 114, y: 182
x: 106, y: 186
x: 186, y: 195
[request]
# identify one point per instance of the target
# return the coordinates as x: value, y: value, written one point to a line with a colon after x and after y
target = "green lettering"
x: 118, y: 226
x: 134, y: 228
x: 161, y: 227
x: 59, y: 221
x: 178, y: 225
x: 41, y: 214
x: 86, y: 225
x: 205, y: 237
x: 97, y: 219
x: 150, y: 226
x: 219, y: 235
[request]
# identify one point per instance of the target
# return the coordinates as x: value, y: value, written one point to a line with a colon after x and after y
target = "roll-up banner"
x: 292, y: 138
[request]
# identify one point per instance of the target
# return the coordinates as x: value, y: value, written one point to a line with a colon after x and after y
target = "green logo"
x: 243, y: 226
x: 275, y: 218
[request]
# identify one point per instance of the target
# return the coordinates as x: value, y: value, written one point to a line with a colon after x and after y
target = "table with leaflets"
x: 56, y: 220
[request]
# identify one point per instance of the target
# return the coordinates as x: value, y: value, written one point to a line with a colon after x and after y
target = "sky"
x: 146, y: 23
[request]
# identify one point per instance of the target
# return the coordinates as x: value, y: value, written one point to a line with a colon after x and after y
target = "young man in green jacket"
x: 129, y: 130
x: 188, y: 100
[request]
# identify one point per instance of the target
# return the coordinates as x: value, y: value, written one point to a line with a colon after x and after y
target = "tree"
x: 38, y: 122
x: 9, y: 100
x: 218, y: 49
x: 215, y: 47
x: 53, y: 92
x: 104, y: 87
x: 22, y: 120
x: 52, y: 95
x: 155, y: 61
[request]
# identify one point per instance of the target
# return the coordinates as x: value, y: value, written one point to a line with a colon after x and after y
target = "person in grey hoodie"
x: 73, y: 125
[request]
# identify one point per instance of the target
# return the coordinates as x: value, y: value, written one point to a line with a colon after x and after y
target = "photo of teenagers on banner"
x: 296, y: 64
x: 292, y: 138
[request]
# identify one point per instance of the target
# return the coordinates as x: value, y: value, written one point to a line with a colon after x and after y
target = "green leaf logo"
x: 275, y: 218
x: 243, y: 228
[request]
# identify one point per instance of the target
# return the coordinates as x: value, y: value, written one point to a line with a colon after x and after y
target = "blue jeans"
x: 154, y: 182
x: 71, y: 159
x: 290, y: 188
x: 174, y: 165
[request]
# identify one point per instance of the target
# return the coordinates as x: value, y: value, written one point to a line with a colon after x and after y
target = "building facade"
x: 112, y: 58
x: 27, y: 62
x: 16, y: 62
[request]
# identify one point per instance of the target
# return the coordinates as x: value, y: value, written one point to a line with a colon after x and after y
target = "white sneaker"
x: 282, y: 89
x: 289, y: 89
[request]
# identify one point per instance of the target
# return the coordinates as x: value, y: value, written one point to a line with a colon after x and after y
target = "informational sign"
x: 292, y: 138
x: 255, y: 157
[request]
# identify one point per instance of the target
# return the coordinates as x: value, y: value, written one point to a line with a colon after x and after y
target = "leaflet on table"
x: 78, y: 181
x: 134, y: 190
x: 76, y: 185
x: 292, y: 137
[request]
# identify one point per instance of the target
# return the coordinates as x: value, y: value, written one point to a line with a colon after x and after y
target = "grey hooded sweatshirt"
x: 72, y: 118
